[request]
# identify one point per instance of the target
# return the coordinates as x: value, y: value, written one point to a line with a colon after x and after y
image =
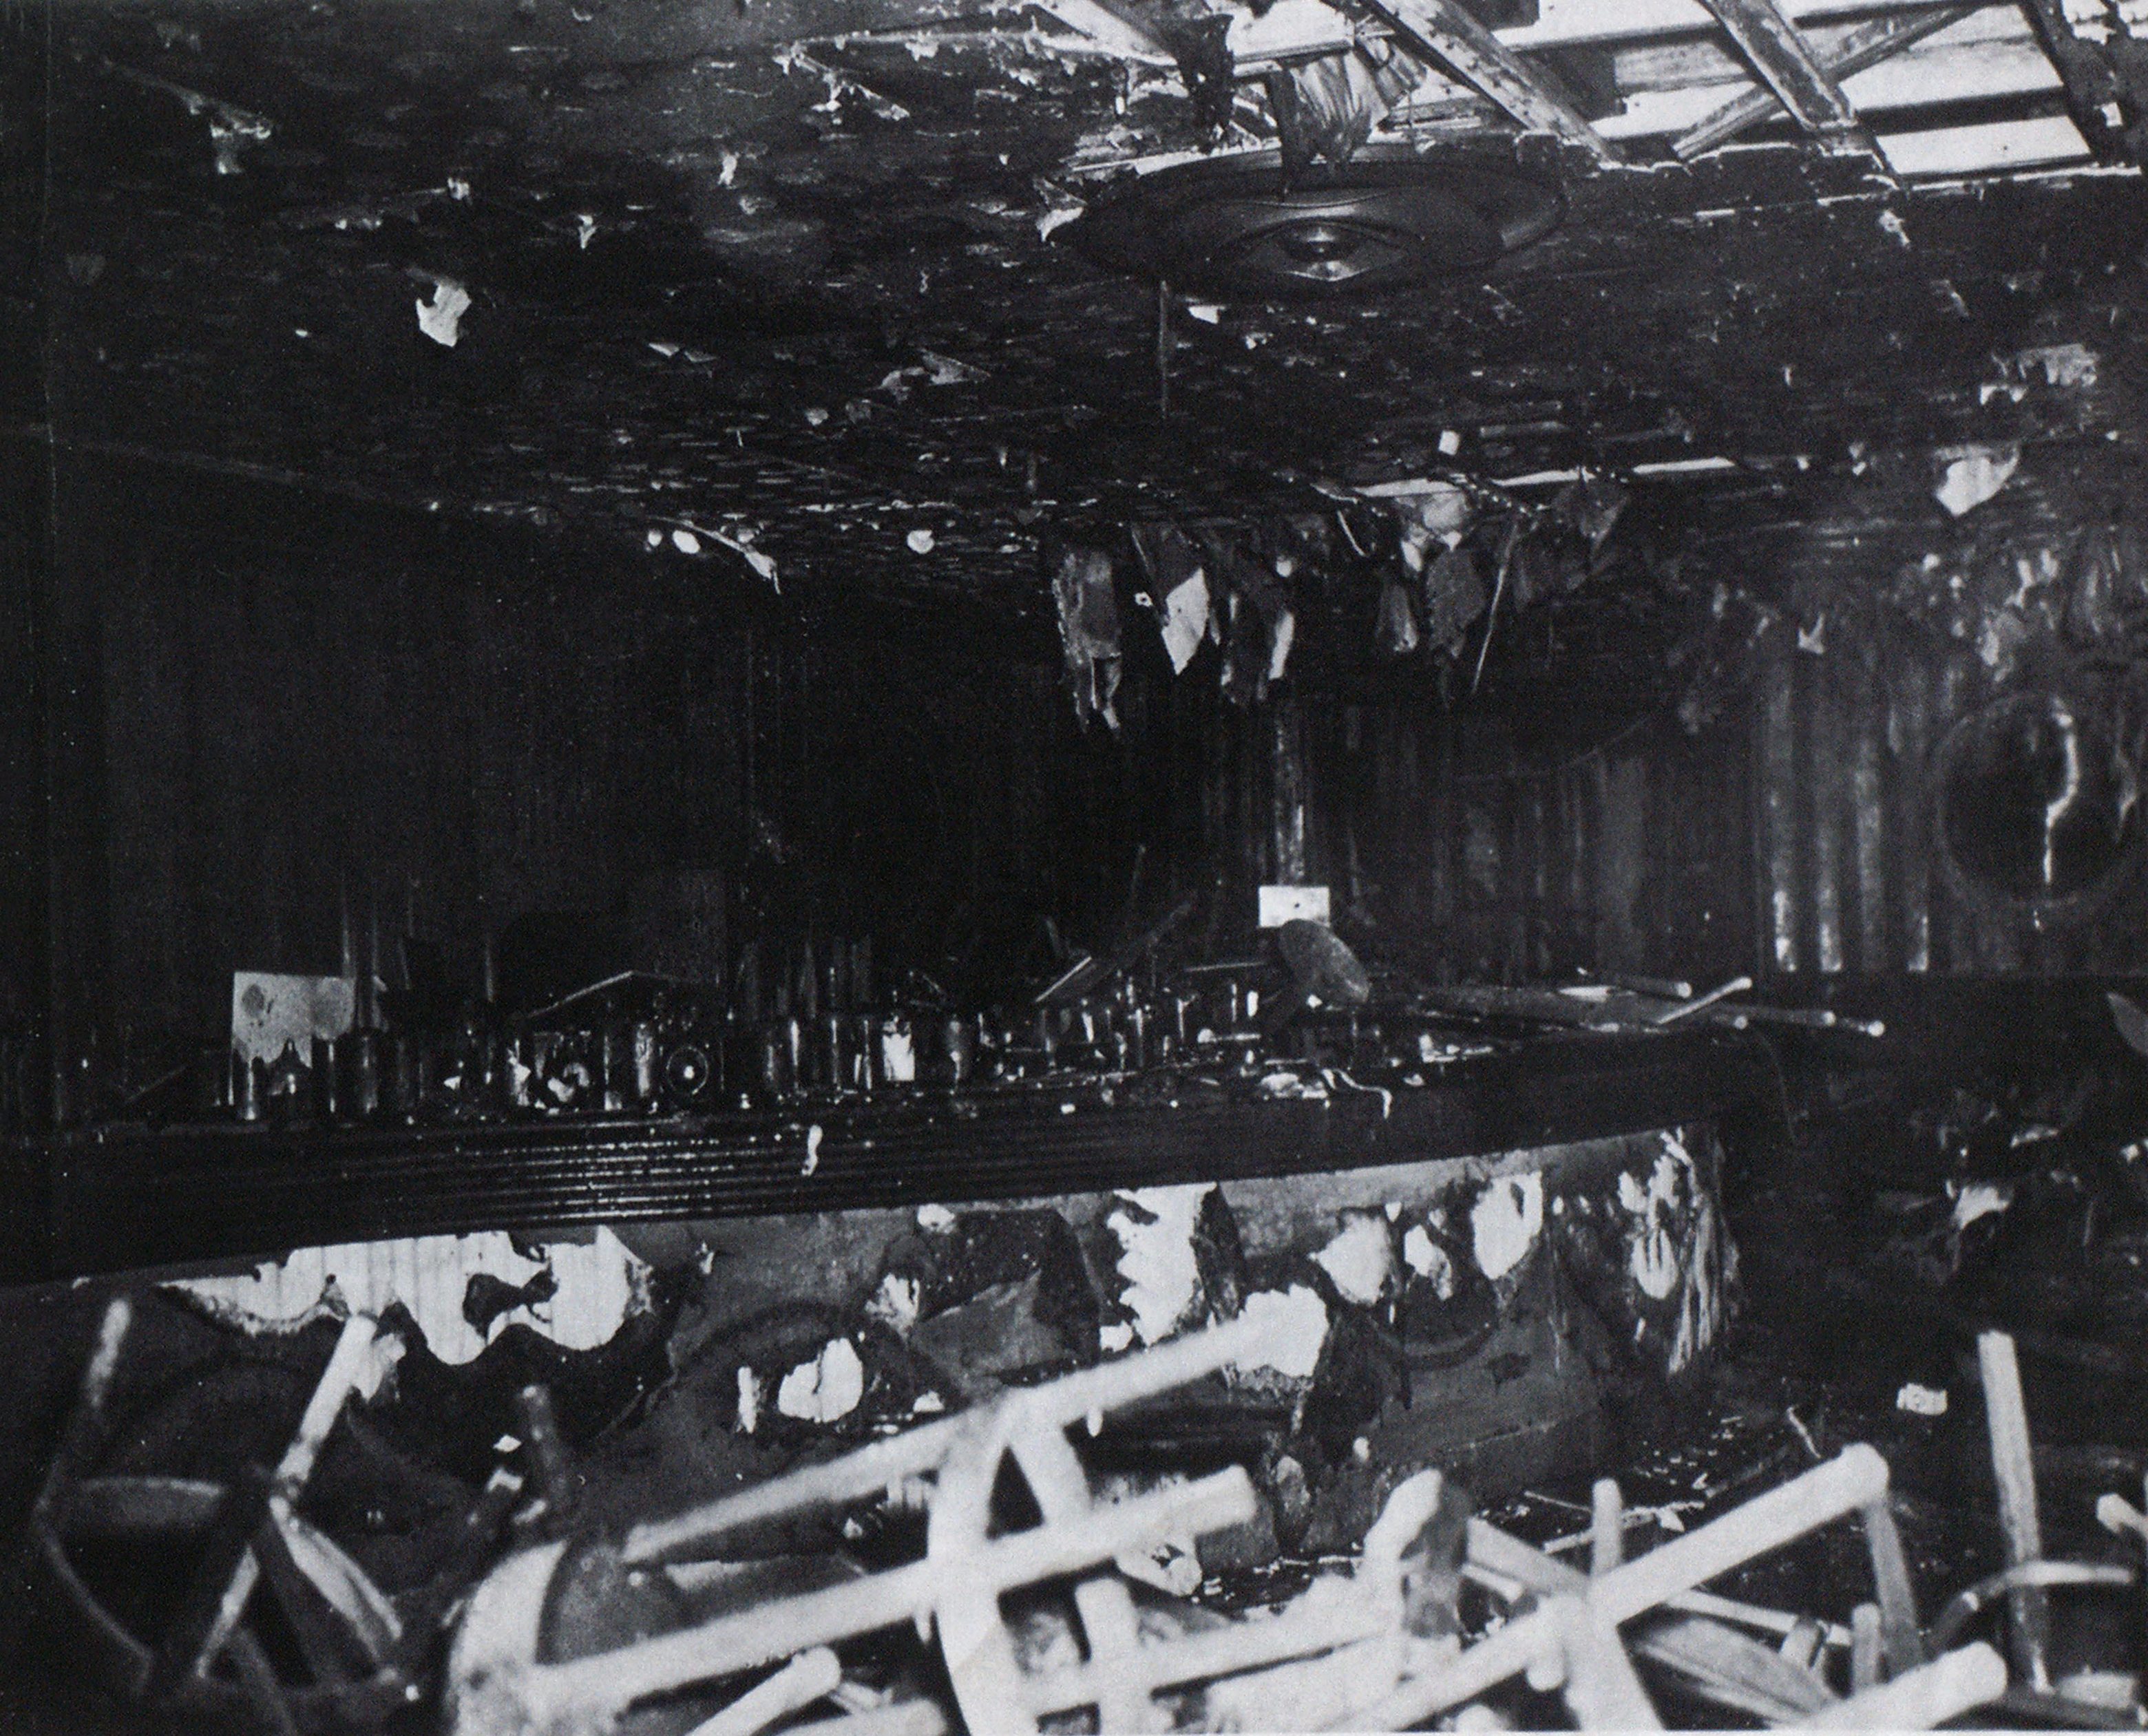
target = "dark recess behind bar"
x: 261, y: 696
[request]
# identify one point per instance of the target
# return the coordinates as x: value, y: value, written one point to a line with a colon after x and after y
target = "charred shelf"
x: 118, y: 1198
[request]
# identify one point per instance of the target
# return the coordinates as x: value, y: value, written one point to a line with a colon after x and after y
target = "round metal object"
x: 687, y: 1070
x: 2036, y: 812
x: 1230, y: 226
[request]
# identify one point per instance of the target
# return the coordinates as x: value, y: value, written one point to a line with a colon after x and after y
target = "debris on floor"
x: 982, y: 1569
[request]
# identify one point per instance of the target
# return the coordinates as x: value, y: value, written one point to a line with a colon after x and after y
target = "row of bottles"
x: 814, y: 1024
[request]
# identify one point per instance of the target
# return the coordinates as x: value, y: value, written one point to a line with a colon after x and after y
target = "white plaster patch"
x: 894, y: 1304
x: 1974, y: 474
x: 1505, y: 1222
x: 1428, y: 1259
x: 440, y: 318
x: 1361, y: 1259
x: 748, y: 1401
x: 1157, y: 1264
x: 1185, y: 620
x: 1285, y: 635
x: 898, y: 1052
x: 1921, y: 1401
x: 826, y: 1388
x: 1980, y: 1199
x: 1290, y: 1326
x: 597, y: 1284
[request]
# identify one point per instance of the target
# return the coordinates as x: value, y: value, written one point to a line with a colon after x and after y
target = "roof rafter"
x: 1866, y: 46
x: 1786, y: 64
x: 1441, y: 31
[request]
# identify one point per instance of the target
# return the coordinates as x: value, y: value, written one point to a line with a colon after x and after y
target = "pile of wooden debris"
x: 1022, y: 1597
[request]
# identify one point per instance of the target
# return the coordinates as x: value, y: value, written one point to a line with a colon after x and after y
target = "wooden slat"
x: 1569, y: 23
x: 1866, y: 46
x: 2013, y: 1466
x: 1786, y: 64
x: 1441, y: 31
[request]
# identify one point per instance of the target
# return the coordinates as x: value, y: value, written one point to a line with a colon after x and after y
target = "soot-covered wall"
x: 266, y: 704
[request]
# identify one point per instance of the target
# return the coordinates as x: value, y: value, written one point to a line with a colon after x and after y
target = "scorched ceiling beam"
x: 1444, y: 32
x: 1786, y: 65
x: 1866, y: 46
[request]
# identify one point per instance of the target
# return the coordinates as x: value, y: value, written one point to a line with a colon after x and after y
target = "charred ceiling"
x: 784, y: 286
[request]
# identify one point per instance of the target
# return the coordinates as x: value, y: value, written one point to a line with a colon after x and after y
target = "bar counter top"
x: 119, y: 1197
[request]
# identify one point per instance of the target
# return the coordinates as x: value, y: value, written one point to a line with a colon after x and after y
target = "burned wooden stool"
x: 499, y: 1682
x: 354, y: 1650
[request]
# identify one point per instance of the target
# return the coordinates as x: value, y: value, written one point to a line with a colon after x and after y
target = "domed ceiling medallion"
x: 1228, y: 227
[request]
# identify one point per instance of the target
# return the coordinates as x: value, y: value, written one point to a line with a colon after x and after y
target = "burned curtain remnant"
x: 1089, y: 631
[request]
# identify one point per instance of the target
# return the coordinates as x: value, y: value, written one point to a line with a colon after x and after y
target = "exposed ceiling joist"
x: 1444, y: 32
x: 1573, y: 24
x: 1111, y: 26
x: 1866, y: 46
x: 1786, y: 64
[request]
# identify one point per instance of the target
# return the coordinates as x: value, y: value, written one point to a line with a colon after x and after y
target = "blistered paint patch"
x: 440, y: 317
x: 748, y: 1401
x: 894, y: 1304
x: 1505, y: 1222
x: 1361, y: 1259
x: 1980, y: 1199
x: 1676, y: 1251
x: 826, y: 1388
x: 1428, y: 1259
x: 1290, y: 1327
x: 595, y: 1285
x: 1700, y: 1304
x: 934, y: 1217
x: 1654, y: 1256
x: 1157, y: 1262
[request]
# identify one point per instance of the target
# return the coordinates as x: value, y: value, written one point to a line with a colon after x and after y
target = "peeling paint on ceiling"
x: 780, y: 283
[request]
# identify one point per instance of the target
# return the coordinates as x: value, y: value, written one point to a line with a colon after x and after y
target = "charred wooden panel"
x: 1847, y: 859
x: 1483, y: 861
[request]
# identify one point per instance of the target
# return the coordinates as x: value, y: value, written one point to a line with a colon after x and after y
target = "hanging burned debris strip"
x: 1088, y: 630
x: 1399, y: 570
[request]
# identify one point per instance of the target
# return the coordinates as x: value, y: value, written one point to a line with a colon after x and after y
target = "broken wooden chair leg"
x: 217, y: 1599
x: 1901, y: 1640
x: 809, y: 1677
x: 1864, y: 1647
x: 1951, y: 1685
x: 1607, y: 1528
x: 2013, y: 1464
x: 556, y: 1488
x: 1801, y: 1644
